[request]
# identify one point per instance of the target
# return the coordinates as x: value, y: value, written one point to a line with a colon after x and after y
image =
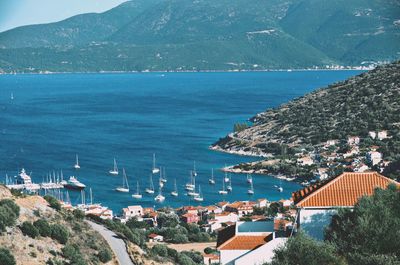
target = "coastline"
x: 189, y: 71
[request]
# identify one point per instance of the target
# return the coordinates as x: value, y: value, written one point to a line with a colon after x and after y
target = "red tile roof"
x: 344, y: 190
x: 245, y: 242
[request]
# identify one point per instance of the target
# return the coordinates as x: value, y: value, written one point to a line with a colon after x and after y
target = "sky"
x: 14, y: 13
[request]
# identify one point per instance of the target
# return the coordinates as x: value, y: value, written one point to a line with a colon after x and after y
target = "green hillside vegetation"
x: 367, y: 102
x: 209, y: 35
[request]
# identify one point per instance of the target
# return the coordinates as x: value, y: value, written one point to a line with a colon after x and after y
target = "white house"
x: 155, y: 238
x: 226, y: 217
x: 317, y: 204
x: 353, y: 140
x: 374, y: 157
x: 382, y: 135
x: 372, y: 134
x: 249, y: 243
x: 131, y: 211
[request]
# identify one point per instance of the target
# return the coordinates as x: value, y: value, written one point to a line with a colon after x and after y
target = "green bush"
x: 78, y: 214
x: 104, y: 255
x: 160, y: 250
x: 59, y: 233
x: 6, y: 258
x: 72, y: 253
x: 43, y: 226
x: 29, y: 229
x: 53, y: 202
x: 9, y: 213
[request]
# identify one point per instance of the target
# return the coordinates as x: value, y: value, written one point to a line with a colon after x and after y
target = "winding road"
x: 117, y: 244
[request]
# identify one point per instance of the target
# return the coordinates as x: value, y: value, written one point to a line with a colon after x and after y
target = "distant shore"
x: 190, y: 71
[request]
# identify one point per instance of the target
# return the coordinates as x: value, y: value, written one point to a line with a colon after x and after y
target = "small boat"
x: 159, y: 197
x: 305, y: 183
x: 150, y: 189
x: 74, y: 184
x: 212, y: 180
x: 199, y: 197
x: 194, y: 172
x: 77, y: 166
x: 279, y: 188
x: 250, y: 191
x: 193, y: 192
x: 223, y: 191
x: 175, y: 191
x: 163, y: 178
x: 114, y: 171
x: 226, y: 178
x: 62, y: 182
x: 12, y: 96
x: 125, y: 185
x: 137, y: 195
x: 229, y: 187
x: 190, y: 186
x: 155, y: 170
x: 249, y: 178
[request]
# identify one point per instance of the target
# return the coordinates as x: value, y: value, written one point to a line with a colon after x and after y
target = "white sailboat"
x: 226, y: 178
x: 77, y: 166
x: 193, y: 192
x: 223, y: 191
x: 163, y: 178
x: 229, y: 187
x: 175, y: 191
x: 199, y: 197
x: 249, y: 178
x: 114, y: 171
x: 150, y: 189
x: 159, y: 197
x: 137, y: 195
x: 279, y: 188
x: 212, y: 180
x: 250, y: 191
x: 155, y: 170
x: 12, y: 96
x: 125, y: 185
x: 190, y: 186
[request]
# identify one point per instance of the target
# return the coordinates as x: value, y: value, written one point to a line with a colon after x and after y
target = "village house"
x: 374, y: 157
x: 209, y: 259
x: 240, y: 207
x: 222, y: 205
x: 226, y: 217
x: 190, y: 218
x: 330, y: 143
x: 212, y: 209
x: 372, y: 134
x: 261, y: 203
x: 305, y: 161
x: 155, y: 238
x: 382, y: 135
x: 322, y: 174
x: 132, y: 211
x: 353, y: 140
x: 248, y: 243
x: 317, y: 204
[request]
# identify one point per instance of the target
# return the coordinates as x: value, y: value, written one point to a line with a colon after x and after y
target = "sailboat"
x: 150, y: 190
x: 223, y: 191
x: 251, y: 190
x: 194, y: 169
x: 193, y: 192
x: 159, y: 197
x: 125, y: 185
x: 77, y: 166
x: 163, y: 178
x: 175, y: 191
x: 155, y: 170
x: 211, y: 180
x: 229, y: 187
x: 279, y: 188
x: 12, y: 96
x: 199, y: 197
x: 190, y: 186
x: 160, y: 182
x: 114, y: 171
x: 226, y: 178
x: 249, y: 178
x: 137, y: 195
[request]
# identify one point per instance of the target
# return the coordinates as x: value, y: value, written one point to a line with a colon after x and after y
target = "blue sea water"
x: 130, y: 117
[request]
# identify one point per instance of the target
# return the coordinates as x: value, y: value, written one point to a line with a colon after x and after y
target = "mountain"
x: 367, y: 102
x: 209, y: 35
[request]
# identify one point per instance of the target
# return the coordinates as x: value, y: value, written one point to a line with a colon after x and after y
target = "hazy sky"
x: 14, y: 13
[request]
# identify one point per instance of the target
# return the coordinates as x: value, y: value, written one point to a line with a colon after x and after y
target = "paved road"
x: 116, y: 244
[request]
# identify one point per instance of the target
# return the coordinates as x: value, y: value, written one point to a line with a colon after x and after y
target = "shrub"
x: 160, y: 250
x: 104, y: 255
x: 10, y: 204
x: 195, y: 256
x: 9, y: 213
x: 43, y: 226
x: 53, y: 202
x: 78, y: 214
x: 59, y: 233
x: 6, y: 258
x: 209, y: 250
x: 29, y: 229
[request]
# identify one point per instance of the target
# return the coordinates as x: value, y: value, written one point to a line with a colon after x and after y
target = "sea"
x: 45, y: 120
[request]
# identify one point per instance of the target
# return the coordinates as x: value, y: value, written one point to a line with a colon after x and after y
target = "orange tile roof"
x: 244, y: 242
x: 344, y: 190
